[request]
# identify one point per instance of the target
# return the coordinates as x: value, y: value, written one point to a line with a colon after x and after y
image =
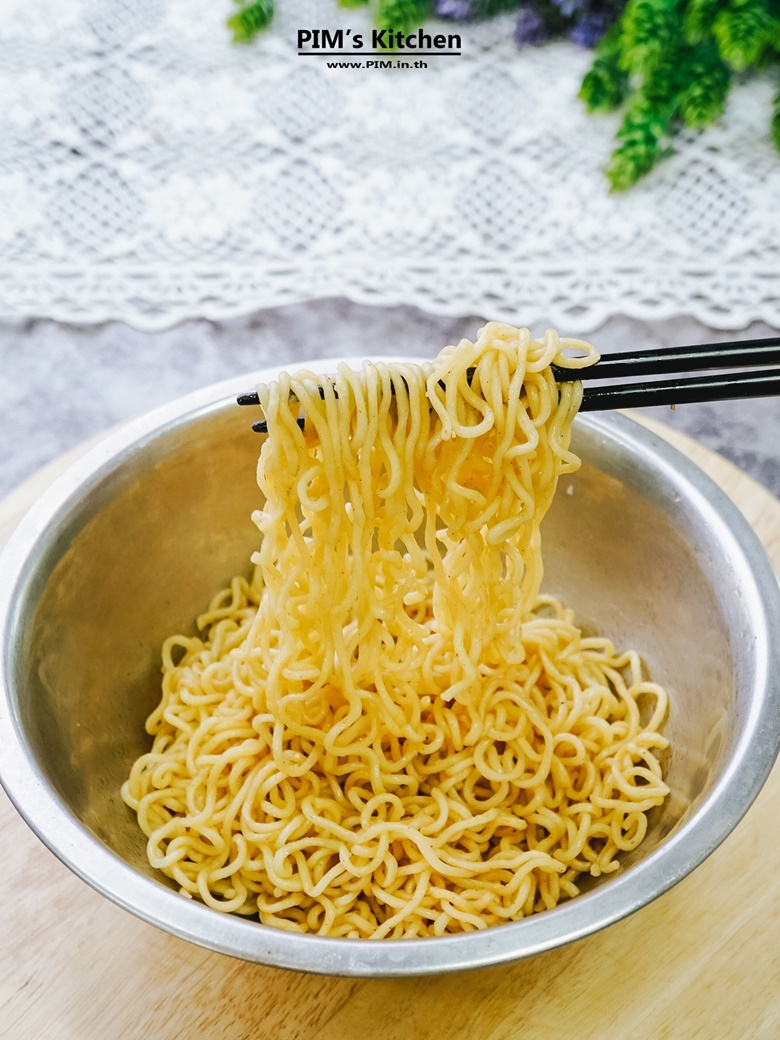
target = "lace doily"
x: 151, y: 171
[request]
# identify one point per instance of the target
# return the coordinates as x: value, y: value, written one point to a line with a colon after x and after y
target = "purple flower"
x: 590, y: 30
x: 457, y: 10
x: 530, y: 27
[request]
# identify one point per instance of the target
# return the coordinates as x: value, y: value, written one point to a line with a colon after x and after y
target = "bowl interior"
x: 137, y: 554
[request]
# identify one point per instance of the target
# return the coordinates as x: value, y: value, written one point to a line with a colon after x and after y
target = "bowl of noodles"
x: 447, y: 678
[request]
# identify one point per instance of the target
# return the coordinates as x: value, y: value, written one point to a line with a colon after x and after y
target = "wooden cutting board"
x: 701, y: 963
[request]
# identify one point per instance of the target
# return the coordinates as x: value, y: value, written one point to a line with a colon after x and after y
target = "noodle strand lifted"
x: 388, y: 732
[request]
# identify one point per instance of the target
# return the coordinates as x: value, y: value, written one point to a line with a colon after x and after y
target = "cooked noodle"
x: 389, y: 732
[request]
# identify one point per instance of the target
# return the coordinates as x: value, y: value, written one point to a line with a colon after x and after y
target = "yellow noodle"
x: 389, y: 732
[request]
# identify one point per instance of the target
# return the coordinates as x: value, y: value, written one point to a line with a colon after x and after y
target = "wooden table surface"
x: 701, y: 963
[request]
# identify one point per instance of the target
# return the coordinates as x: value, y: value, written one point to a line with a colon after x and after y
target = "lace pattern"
x: 150, y: 171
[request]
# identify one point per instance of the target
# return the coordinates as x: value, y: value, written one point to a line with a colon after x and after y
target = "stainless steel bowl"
x: 128, y: 546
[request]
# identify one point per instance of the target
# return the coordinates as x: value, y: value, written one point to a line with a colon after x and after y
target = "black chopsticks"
x: 723, y: 384
x: 678, y: 359
x: 731, y: 369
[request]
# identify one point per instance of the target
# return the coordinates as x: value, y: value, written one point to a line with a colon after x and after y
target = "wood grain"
x: 701, y: 963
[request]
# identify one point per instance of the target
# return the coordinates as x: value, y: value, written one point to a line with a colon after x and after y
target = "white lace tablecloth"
x: 151, y: 171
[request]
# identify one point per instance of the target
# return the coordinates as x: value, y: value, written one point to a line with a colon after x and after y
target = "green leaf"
x: 707, y: 81
x: 401, y: 15
x: 352, y: 3
x: 605, y: 85
x: 742, y: 31
x: 649, y: 28
x: 643, y: 144
x: 698, y: 19
x: 630, y: 162
x: 658, y: 93
x: 251, y: 20
x: 627, y: 166
x: 647, y: 126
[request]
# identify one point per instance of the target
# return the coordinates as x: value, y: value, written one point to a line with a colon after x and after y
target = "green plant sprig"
x: 670, y: 65
x: 250, y: 20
